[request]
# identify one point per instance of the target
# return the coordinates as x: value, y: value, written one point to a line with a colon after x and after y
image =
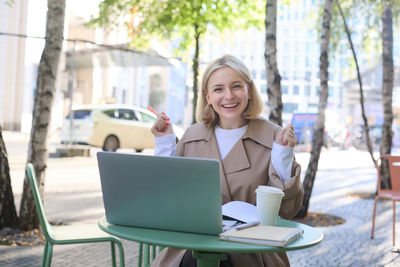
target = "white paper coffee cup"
x: 268, y: 204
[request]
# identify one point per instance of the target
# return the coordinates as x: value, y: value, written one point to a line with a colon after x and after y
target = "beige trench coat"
x: 244, y: 168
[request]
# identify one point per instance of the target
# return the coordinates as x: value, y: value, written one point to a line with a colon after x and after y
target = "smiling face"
x: 228, y: 93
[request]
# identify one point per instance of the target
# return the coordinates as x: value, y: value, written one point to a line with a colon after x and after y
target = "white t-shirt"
x: 281, y: 156
x: 227, y: 138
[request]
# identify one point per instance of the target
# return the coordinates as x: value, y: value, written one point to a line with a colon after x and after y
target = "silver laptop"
x: 168, y: 193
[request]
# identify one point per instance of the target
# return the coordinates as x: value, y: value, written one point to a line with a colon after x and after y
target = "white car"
x: 111, y: 127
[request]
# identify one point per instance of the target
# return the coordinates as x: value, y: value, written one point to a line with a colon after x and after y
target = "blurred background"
x: 99, y: 67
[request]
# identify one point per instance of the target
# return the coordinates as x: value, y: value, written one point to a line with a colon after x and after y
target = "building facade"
x: 12, y: 66
x: 88, y: 72
x: 298, y: 60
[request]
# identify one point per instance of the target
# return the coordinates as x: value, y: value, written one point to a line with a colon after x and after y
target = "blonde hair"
x: 205, y: 113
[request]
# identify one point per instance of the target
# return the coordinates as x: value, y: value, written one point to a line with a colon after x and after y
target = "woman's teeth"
x: 230, y: 105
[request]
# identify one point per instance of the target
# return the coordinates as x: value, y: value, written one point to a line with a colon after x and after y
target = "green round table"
x: 208, y: 249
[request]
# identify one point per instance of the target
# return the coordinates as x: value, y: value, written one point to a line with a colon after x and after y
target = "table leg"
x: 208, y: 259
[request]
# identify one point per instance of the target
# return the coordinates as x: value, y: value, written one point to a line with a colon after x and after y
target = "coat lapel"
x: 236, y: 159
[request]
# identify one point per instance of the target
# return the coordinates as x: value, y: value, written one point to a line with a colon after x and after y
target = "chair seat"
x: 79, y: 233
x: 389, y: 194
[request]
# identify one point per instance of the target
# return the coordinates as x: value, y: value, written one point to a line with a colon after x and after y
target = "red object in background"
x: 393, y: 193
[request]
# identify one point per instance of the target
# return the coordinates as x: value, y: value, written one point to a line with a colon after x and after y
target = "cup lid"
x: 269, y: 190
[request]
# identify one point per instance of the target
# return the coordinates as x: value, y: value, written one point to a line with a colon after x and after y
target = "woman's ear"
x: 207, y: 98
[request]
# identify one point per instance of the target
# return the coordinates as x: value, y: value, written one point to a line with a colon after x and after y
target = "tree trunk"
x: 8, y: 214
x: 195, y: 70
x: 319, y: 126
x: 387, y: 89
x: 45, y: 89
x: 364, y: 116
x: 273, y: 77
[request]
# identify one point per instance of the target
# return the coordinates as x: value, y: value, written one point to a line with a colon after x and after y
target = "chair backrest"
x: 394, y: 171
x: 46, y: 227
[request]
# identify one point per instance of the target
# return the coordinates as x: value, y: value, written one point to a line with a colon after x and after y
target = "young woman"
x: 252, y: 151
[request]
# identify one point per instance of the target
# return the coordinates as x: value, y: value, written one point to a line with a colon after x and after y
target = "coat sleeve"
x: 292, y: 188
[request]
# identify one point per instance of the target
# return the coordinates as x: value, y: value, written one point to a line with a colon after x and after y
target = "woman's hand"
x: 286, y: 137
x: 161, y: 126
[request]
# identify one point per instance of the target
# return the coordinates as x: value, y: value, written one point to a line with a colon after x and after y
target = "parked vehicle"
x: 111, y: 127
x: 358, y: 137
x: 303, y: 125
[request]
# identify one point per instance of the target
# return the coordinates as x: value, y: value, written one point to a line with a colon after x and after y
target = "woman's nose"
x: 228, y: 93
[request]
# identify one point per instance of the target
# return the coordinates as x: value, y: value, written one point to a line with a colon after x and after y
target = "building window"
x: 263, y: 75
x: 286, y: 46
x: 263, y: 88
x: 296, y: 90
x: 254, y: 74
x: 330, y: 90
x: 307, y: 75
x: 307, y: 90
x: 290, y: 107
x: 313, y: 108
x: 308, y: 62
x: 284, y: 75
x: 285, y: 89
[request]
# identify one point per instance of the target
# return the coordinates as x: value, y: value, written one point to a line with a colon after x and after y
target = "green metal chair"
x: 73, y: 234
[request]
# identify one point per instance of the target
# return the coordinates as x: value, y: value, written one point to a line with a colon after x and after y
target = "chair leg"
x: 373, y: 217
x: 46, y: 245
x: 121, y: 254
x: 394, y: 223
x: 114, y: 263
x: 49, y: 254
x: 140, y: 255
x: 153, y: 252
x: 146, y: 255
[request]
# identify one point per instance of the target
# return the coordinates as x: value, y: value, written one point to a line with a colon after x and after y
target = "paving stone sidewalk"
x: 73, y: 195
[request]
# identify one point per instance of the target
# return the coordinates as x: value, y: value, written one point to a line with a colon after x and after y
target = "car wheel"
x: 111, y: 143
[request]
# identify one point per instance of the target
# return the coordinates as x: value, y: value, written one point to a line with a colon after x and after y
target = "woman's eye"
x: 217, y: 89
x: 237, y: 86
